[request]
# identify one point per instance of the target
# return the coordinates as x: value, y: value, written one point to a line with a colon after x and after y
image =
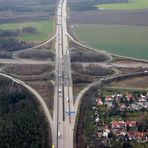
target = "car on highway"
x: 67, y: 111
x: 59, y: 135
x: 102, y: 79
x: 66, y: 77
x: 59, y: 90
x: 67, y: 99
x: 60, y: 94
x: 59, y: 75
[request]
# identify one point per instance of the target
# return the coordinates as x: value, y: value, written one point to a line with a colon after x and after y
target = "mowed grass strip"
x: 44, y: 29
x: 131, y: 41
x: 132, y: 4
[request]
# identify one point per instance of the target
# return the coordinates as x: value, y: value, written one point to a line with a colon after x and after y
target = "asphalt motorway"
x: 64, y: 113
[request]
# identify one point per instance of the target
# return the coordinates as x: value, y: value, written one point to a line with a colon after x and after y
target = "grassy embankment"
x: 44, y: 29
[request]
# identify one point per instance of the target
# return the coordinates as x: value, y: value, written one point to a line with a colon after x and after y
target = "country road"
x: 24, y: 61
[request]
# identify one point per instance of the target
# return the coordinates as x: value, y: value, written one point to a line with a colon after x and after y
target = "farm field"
x: 44, y: 29
x: 26, y: 10
x: 121, y: 17
x: 132, y: 4
x: 122, y: 32
x: 124, y: 40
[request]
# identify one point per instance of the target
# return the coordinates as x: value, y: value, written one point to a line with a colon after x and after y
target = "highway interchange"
x: 65, y: 111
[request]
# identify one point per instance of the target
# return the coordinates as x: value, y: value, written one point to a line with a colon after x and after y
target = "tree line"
x: 81, y: 56
x: 17, y: 32
x: 13, y: 44
x: 85, y: 5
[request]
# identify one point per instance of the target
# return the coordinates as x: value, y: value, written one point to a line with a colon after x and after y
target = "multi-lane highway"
x: 64, y: 113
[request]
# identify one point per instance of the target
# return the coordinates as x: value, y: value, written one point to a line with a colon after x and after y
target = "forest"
x: 22, y: 124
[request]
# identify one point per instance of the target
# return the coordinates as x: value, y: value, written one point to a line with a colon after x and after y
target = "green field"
x: 133, y: 4
x: 44, y: 28
x: 124, y: 40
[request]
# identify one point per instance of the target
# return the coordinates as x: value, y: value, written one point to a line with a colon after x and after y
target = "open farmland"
x: 124, y: 40
x: 132, y: 4
x: 31, y: 21
x: 128, y: 17
x: 44, y: 29
x: 119, y: 32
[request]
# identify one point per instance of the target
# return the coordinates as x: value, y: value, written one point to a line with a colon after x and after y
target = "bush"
x: 12, y: 44
x: 92, y: 69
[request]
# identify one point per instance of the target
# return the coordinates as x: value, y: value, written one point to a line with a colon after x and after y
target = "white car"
x: 59, y: 134
x: 67, y: 99
x: 102, y: 79
x: 60, y: 94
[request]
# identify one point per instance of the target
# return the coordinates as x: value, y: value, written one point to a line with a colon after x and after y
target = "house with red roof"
x: 118, y: 124
x: 122, y: 124
x: 130, y: 97
x: 99, y: 101
x: 108, y: 98
x: 131, y: 123
x: 138, y: 135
